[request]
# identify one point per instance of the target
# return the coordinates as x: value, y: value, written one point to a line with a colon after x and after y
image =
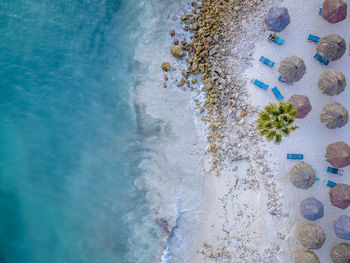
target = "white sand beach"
x: 252, y: 209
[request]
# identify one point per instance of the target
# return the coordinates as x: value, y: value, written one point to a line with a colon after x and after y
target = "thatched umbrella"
x: 334, y: 11
x: 311, y: 209
x: 342, y: 227
x: 292, y: 69
x: 277, y: 19
x: 331, y: 47
x: 340, y: 196
x: 307, y: 256
x: 332, y: 82
x: 311, y: 236
x: 341, y: 253
x: 338, y: 154
x: 302, y: 175
x: 335, y: 116
x: 302, y: 103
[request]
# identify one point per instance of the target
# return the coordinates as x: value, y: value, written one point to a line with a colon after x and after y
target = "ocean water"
x: 77, y: 149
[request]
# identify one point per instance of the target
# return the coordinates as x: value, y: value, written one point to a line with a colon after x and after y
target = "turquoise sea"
x: 69, y: 142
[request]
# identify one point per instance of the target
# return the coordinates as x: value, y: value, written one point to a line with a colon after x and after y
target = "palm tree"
x: 276, y: 121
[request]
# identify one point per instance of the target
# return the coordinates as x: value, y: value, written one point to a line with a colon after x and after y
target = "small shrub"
x: 275, y: 121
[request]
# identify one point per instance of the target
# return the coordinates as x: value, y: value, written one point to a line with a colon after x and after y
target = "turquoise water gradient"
x: 68, y: 137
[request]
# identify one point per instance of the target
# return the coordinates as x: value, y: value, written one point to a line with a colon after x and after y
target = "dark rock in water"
x: 342, y: 227
x: 334, y: 11
x: 341, y: 253
x: 164, y: 224
x: 277, y: 19
x: 311, y: 209
x: 302, y: 103
x: 340, y: 196
x: 338, y: 154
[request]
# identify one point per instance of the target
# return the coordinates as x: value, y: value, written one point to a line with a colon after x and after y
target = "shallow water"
x: 77, y: 151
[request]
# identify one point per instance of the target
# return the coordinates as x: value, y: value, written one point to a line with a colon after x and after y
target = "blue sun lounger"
x: 261, y: 84
x: 335, y: 170
x: 294, y: 156
x: 331, y: 184
x: 277, y: 93
x: 276, y: 39
x: 267, y: 61
x: 320, y: 11
x: 313, y: 38
x: 281, y: 79
x: 321, y: 59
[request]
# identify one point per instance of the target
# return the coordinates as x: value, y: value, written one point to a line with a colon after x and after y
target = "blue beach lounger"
x: 277, y: 93
x: 335, y: 170
x: 313, y: 38
x: 294, y: 156
x: 276, y: 39
x: 267, y: 61
x: 321, y: 59
x: 320, y: 11
x: 331, y: 184
x: 281, y: 79
x: 261, y: 84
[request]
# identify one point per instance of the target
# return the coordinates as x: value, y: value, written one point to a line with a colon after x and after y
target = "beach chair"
x: 331, y: 184
x: 280, y: 78
x: 320, y: 11
x: 317, y: 179
x: 321, y: 59
x: 277, y: 93
x: 294, y: 156
x: 313, y: 38
x: 267, y: 61
x: 276, y: 39
x: 335, y: 170
x: 261, y: 84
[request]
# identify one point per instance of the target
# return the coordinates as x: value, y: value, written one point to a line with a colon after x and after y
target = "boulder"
x: 338, y: 154
x: 166, y: 66
x: 177, y: 51
x: 311, y: 209
x: 302, y: 103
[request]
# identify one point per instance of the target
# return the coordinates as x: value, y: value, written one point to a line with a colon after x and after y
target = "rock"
x: 172, y: 33
x: 166, y: 66
x: 302, y: 103
x: 311, y: 236
x: 342, y: 227
x: 338, y: 154
x: 311, y: 209
x: 177, y: 51
x: 334, y: 116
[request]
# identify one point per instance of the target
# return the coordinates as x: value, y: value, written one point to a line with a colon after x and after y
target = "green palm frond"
x: 275, y: 121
